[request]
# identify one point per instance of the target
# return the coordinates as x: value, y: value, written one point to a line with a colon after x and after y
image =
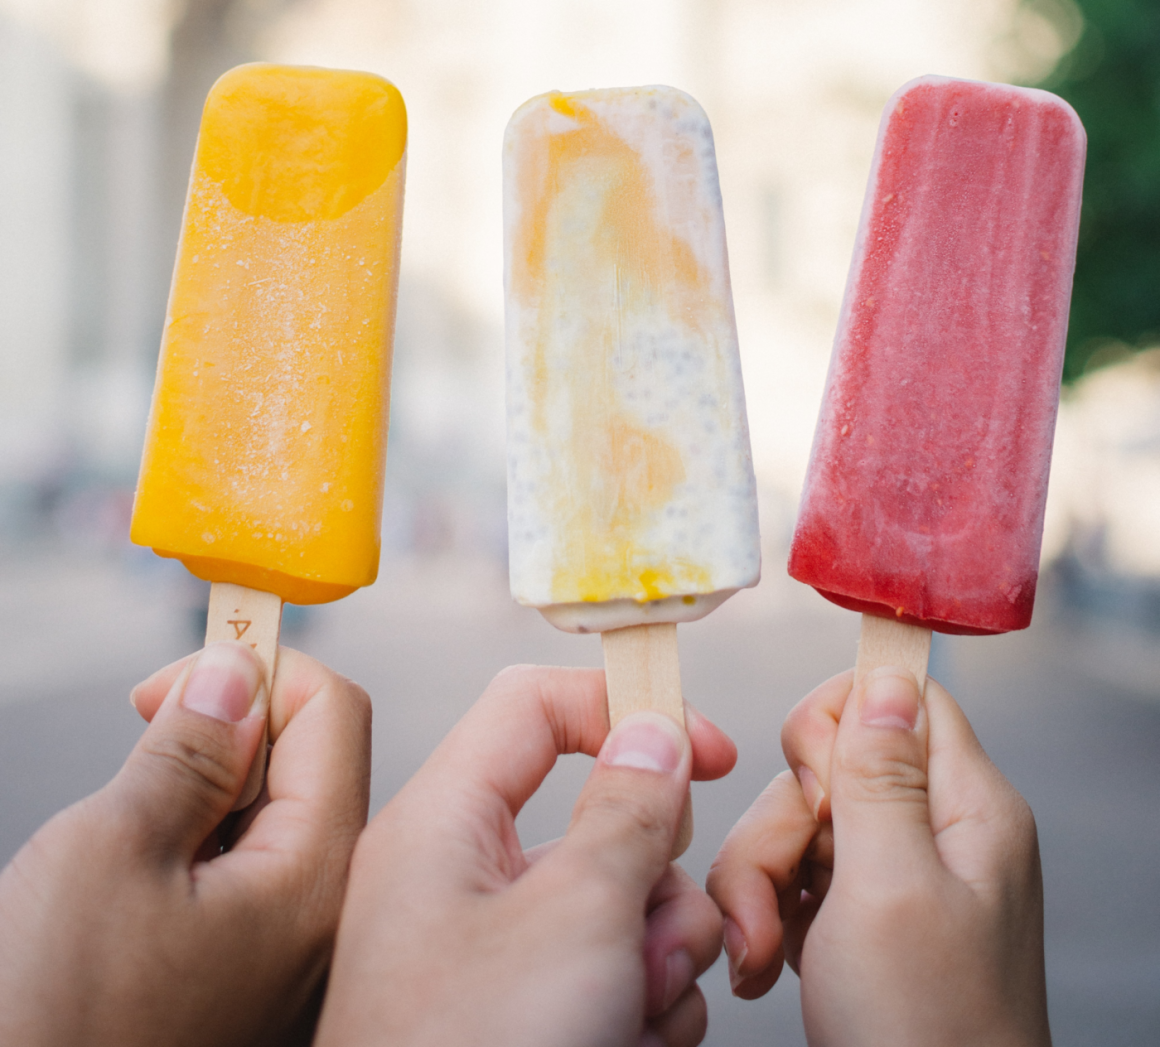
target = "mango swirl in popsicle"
x: 631, y: 495
x: 925, y: 495
x: 263, y: 462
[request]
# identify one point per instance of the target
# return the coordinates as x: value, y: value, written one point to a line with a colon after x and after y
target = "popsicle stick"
x: 253, y: 617
x: 885, y: 641
x: 643, y: 672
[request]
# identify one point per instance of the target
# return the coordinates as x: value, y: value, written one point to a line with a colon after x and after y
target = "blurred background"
x: 99, y: 105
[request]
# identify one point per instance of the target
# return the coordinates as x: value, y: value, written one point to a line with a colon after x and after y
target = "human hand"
x: 451, y: 934
x: 918, y: 917
x: 123, y: 923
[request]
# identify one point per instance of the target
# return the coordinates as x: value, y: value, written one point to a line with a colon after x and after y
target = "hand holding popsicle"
x: 923, y: 509
x: 918, y: 918
x: 263, y: 464
x: 451, y: 933
x: 121, y: 922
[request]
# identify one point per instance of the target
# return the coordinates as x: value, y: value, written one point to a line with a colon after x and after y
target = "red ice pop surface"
x: 926, y: 487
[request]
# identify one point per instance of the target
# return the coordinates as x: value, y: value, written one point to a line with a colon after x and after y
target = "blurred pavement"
x: 1071, y: 715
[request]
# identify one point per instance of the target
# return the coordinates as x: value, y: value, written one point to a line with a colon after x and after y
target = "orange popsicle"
x: 264, y: 457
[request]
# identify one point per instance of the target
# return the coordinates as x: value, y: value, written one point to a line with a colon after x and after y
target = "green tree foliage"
x: 1112, y: 78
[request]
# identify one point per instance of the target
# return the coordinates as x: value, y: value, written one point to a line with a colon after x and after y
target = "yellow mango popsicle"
x: 264, y: 457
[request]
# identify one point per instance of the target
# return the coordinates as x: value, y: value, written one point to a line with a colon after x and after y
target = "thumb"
x: 191, y: 763
x: 881, y: 811
x: 626, y: 818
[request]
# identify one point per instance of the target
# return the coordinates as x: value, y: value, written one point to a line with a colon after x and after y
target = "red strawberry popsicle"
x: 926, y: 487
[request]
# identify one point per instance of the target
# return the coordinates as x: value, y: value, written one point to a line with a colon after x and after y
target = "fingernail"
x: 225, y: 683
x: 679, y: 975
x: 648, y: 1038
x: 646, y: 741
x: 736, y: 949
x: 889, y: 699
x: 811, y: 789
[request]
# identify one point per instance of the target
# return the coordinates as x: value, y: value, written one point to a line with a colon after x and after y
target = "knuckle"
x: 197, y: 759
x: 792, y: 726
x: 1019, y: 831
x: 514, y: 684
x: 625, y: 815
x: 318, y: 906
x: 1023, y: 820
x: 514, y: 675
x: 880, y: 776
x: 802, y: 728
x: 359, y: 703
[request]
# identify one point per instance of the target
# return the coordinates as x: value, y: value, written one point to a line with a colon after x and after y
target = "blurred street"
x: 1070, y: 714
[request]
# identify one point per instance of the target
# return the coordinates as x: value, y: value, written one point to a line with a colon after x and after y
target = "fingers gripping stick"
x: 253, y: 617
x: 643, y: 672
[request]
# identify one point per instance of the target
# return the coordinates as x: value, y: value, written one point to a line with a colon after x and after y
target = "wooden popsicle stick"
x: 886, y: 641
x: 253, y: 617
x: 643, y: 672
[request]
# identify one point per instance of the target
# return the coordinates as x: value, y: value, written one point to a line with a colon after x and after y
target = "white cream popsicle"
x: 631, y: 495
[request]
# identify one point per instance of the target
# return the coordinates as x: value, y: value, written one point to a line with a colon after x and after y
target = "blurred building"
x: 1104, y: 510
x: 80, y: 284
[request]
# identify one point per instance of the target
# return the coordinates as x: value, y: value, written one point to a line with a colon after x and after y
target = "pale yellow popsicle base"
x: 887, y: 642
x: 253, y: 617
x: 643, y: 672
